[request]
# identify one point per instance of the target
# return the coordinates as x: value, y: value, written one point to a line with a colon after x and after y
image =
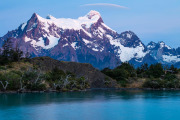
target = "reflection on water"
x: 97, y: 104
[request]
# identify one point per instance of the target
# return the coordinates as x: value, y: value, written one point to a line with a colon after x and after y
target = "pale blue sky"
x: 151, y: 20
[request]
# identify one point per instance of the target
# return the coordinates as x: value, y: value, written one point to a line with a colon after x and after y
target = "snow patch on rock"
x: 86, y: 41
x: 23, y: 26
x: 65, y: 45
x: 171, y: 58
x: 74, y: 45
x: 129, y: 36
x: 127, y: 53
x: 53, y: 41
x: 95, y: 49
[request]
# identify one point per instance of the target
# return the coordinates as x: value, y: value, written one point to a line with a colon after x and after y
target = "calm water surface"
x: 92, y: 105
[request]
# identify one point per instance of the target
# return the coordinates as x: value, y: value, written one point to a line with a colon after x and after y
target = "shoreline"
x: 93, y: 89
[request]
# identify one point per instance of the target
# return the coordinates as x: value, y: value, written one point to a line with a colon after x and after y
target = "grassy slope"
x: 15, y: 66
x: 94, y: 76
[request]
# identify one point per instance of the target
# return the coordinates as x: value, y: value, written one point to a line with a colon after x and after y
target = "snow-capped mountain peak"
x: 163, y: 45
x: 93, y: 13
x: 128, y: 34
x: 66, y: 23
x: 151, y: 45
x: 50, y: 17
x: 159, y: 45
x: 86, y: 39
x: 34, y: 15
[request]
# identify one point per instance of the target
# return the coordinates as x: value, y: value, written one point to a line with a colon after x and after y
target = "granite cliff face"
x: 86, y: 40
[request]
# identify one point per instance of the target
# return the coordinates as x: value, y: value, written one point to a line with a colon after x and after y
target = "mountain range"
x: 87, y: 40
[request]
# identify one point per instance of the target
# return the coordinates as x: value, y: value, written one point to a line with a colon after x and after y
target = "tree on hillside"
x: 156, y: 70
x: 142, y: 71
x: 9, y: 53
x: 17, y: 54
x: 6, y: 52
x: 129, y: 68
x: 4, y: 80
x: 173, y: 69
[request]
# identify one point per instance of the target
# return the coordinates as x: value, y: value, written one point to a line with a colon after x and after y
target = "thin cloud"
x: 107, y: 4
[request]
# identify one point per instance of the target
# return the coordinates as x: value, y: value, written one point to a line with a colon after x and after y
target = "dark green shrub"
x: 36, y: 87
x: 153, y: 83
x: 156, y: 70
x: 55, y: 75
x: 107, y: 81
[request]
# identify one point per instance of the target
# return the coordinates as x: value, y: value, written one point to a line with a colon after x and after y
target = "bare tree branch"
x: 4, y: 85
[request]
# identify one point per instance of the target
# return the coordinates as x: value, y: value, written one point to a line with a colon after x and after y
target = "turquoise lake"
x: 92, y: 105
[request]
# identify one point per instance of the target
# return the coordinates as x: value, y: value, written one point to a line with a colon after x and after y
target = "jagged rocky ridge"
x: 87, y: 40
